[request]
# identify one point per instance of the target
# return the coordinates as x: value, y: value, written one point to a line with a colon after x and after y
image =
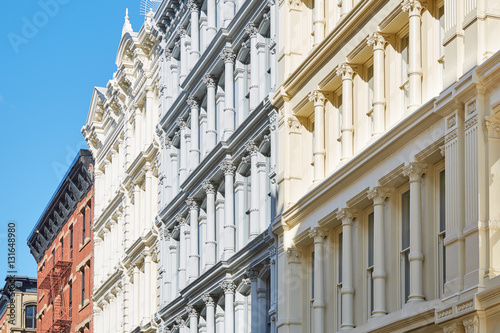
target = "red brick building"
x: 62, y: 244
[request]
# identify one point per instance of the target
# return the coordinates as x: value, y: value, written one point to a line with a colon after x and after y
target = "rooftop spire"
x: 127, y: 27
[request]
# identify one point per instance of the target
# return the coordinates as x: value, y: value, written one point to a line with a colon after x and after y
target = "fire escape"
x: 53, y: 283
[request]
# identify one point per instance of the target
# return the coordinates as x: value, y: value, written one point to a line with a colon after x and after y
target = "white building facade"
x: 120, y: 132
x: 217, y: 174
x: 389, y: 221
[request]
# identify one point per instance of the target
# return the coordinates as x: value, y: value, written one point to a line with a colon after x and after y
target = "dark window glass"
x: 29, y: 316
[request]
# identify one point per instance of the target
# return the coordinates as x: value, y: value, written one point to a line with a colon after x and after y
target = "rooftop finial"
x: 127, y: 27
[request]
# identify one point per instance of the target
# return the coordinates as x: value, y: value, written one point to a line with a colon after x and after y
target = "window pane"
x: 442, y: 202
x: 407, y: 275
x: 340, y: 257
x: 370, y: 239
x: 405, y: 220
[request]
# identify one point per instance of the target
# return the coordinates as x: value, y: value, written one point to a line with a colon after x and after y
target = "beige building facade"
x: 389, y: 221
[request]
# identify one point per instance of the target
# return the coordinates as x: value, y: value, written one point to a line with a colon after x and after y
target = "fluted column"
x: 346, y: 216
x: 195, y: 33
x: 194, y: 257
x: 194, y: 152
x: 251, y: 30
x: 182, y: 251
x: 210, y: 244
x: 193, y: 319
x: 414, y: 9
x: 347, y: 73
x: 318, y: 235
x: 229, y: 226
x: 253, y: 150
x: 210, y: 312
x: 211, y: 20
x: 211, y: 134
x: 228, y: 56
x: 228, y: 287
x: 378, y: 195
x: 414, y: 172
x: 378, y: 42
x: 319, y: 135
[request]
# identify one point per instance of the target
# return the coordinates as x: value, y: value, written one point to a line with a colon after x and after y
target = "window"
x: 29, y: 316
x: 71, y: 242
x: 442, y: 232
x: 83, y: 286
x: 62, y: 248
x: 53, y: 258
x: 83, y: 225
x: 405, y: 244
x: 370, y: 263
x: 70, y: 299
x: 339, y: 280
x: 311, y: 303
x: 404, y: 81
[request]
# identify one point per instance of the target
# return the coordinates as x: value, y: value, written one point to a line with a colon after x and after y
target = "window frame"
x: 441, y: 234
x: 26, y: 306
x: 402, y: 252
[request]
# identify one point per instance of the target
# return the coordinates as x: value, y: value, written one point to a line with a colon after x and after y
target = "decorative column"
x: 183, y: 150
x: 137, y: 209
x: 228, y: 56
x: 149, y: 287
x: 378, y: 195
x: 346, y: 216
x: 193, y: 319
x: 252, y: 149
x: 182, y: 251
x: 174, y: 169
x: 319, y: 21
x: 415, y: 171
x: 167, y: 270
x: 210, y: 312
x: 210, y: 244
x: 318, y: 236
x: 195, y: 33
x: 251, y: 30
x: 239, y: 208
x: 378, y: 42
x: 174, y: 78
x: 229, y: 226
x: 455, y: 162
x: 211, y: 23
x: 194, y: 257
x: 173, y: 268
x: 229, y: 287
x: 414, y: 9
x: 184, y: 55
x: 138, y: 130
x: 135, y: 300
x: 194, y: 152
x: 347, y: 73
x: 229, y: 7
x: 263, y: 190
x: 262, y: 70
x: 319, y: 135
x: 148, y: 189
x: 240, y: 99
x: 211, y: 136
x: 254, y: 319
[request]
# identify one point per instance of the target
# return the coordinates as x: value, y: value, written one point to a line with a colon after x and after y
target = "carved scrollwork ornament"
x: 192, y: 6
x: 378, y: 195
x: 414, y: 171
x: 251, y: 30
x: 192, y: 102
x: 209, y: 80
x: 191, y: 203
x: 227, y: 167
x: 228, y: 55
x: 208, y: 186
x: 377, y: 41
x: 209, y: 301
x: 251, y: 147
x: 345, y: 71
x: 317, y: 98
x: 491, y: 128
x: 412, y: 7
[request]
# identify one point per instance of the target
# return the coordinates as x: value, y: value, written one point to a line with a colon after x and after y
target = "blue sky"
x: 52, y: 54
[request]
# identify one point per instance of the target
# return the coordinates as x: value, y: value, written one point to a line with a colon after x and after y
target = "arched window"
x: 29, y: 316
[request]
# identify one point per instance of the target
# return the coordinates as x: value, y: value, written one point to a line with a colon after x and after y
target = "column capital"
x: 191, y: 203
x: 228, y: 55
x: 167, y: 142
x: 192, y: 102
x: 377, y: 41
x: 452, y: 328
x: 317, y: 98
x: 251, y: 30
x: 471, y: 324
x: 346, y: 215
x: 209, y: 301
x: 167, y: 234
x: 181, y: 220
x: 192, y: 6
x: 491, y: 128
x: 209, y: 80
x: 251, y: 147
x: 378, y: 195
x: 293, y: 255
x: 252, y: 274
x: 180, y: 321
x: 190, y: 309
x: 318, y: 234
x: 181, y: 123
x: 227, y: 167
x: 181, y: 31
x: 413, y: 7
x: 414, y: 171
x: 228, y: 286
x: 208, y: 186
x: 345, y: 71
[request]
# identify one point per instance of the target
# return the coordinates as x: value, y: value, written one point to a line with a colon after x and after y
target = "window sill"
x: 87, y: 240
x: 84, y: 305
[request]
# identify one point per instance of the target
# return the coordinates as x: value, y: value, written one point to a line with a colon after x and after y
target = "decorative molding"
x: 228, y: 55
x: 251, y: 30
x: 345, y: 71
x: 377, y: 41
x: 228, y: 286
x: 317, y: 98
x: 412, y: 6
x: 491, y: 128
x: 378, y: 195
x: 251, y: 147
x: 191, y: 203
x: 209, y: 80
x: 293, y: 255
x: 209, y: 301
x: 414, y: 171
x: 471, y: 324
x: 227, y: 167
x: 208, y: 186
x: 192, y: 102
